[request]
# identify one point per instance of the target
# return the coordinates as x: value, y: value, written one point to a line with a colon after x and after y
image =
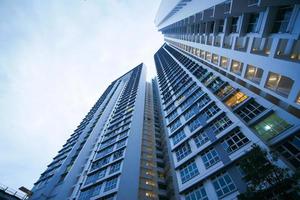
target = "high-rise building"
x: 228, y: 78
x: 115, y: 153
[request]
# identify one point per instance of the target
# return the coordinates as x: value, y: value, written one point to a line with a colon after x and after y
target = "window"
x: 261, y: 46
x: 104, y: 152
x: 210, y: 158
x: 254, y: 74
x: 111, y: 184
x: 95, y: 176
x: 271, y: 126
x: 175, y: 125
x: 118, y: 154
x: 223, y: 185
x: 252, y: 25
x: 224, y: 62
x: 172, y: 116
x: 226, y: 89
x: 215, y: 59
x: 198, y: 193
x: 121, y: 143
x: 197, y: 122
x: 290, y: 150
x: 250, y: 110
x: 115, y: 167
x: 188, y: 171
x: 220, y: 124
x: 182, y: 151
x: 282, y: 19
x: 180, y: 135
x: 221, y: 26
x: 208, y: 56
x: 90, y: 192
x: 282, y: 85
x: 236, y: 99
x: 236, y: 67
x: 200, y: 138
x: 284, y: 50
x: 298, y: 98
x: 100, y: 163
x: 234, y: 25
x: 235, y: 140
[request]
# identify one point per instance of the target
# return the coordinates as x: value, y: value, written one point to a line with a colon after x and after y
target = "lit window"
x: 298, y: 98
x: 271, y: 126
x: 282, y: 85
x: 262, y: 46
x: 283, y: 50
x: 224, y: 62
x: 236, y: 99
x: 253, y: 74
x: 150, y: 194
x: 208, y: 56
x: 149, y: 182
x: 215, y: 59
x: 236, y: 67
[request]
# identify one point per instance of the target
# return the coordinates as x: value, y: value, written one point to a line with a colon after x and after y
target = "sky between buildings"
x: 56, y: 59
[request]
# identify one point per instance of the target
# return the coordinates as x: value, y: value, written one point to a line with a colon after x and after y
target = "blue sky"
x: 56, y: 58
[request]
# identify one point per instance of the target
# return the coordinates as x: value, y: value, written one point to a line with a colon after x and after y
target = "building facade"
x: 112, y: 154
x: 228, y: 78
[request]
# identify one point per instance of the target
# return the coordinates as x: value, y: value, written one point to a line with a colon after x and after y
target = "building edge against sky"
x: 228, y: 78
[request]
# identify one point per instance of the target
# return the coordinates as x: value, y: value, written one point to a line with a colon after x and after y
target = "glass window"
x: 236, y: 99
x: 172, y: 116
x: 221, y: 26
x: 198, y: 193
x: 236, y: 67
x: 271, y: 126
x: 252, y: 25
x: 118, y: 154
x: 282, y: 85
x: 223, y: 185
x: 200, y: 138
x: 115, y: 167
x: 208, y: 56
x: 298, y: 98
x: 210, y: 158
x: 235, y: 140
x: 224, y: 62
x: 220, y: 124
x: 234, y: 25
x: 95, y: 176
x: 182, y: 151
x: 250, y: 110
x: 254, y: 74
x: 121, y: 143
x: 188, y: 171
x: 174, y: 125
x: 290, y: 150
x: 282, y: 19
x: 180, y: 135
x: 90, y: 192
x: 111, y: 184
x: 215, y: 59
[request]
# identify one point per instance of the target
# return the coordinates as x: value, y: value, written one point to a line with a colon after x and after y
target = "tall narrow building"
x: 114, y: 153
x: 228, y: 77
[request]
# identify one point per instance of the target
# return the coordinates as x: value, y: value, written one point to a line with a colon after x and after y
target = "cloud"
x: 57, y: 57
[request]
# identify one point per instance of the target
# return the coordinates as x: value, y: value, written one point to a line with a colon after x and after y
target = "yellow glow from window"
x: 236, y: 99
